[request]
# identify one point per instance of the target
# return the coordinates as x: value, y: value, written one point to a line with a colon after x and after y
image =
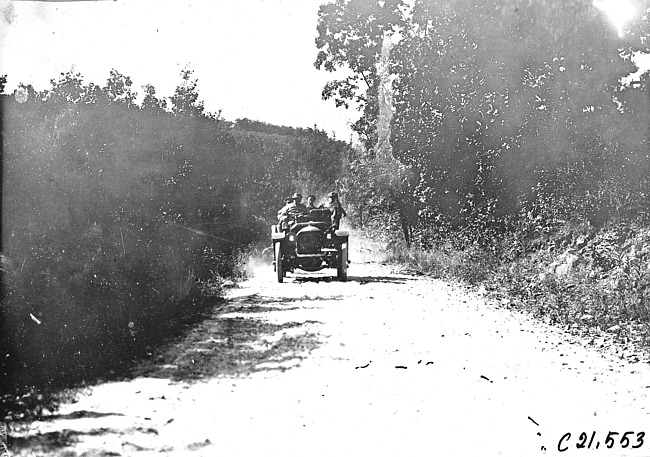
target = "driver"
x: 293, y: 209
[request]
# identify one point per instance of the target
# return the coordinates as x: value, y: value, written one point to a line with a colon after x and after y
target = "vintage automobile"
x: 309, y: 243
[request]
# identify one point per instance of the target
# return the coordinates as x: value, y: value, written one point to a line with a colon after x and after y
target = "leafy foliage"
x: 115, y: 214
x: 152, y: 103
x: 480, y: 111
x: 185, y: 100
x: 118, y: 88
x: 350, y: 36
x: 491, y: 100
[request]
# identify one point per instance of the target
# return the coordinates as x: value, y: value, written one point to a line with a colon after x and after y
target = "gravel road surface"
x: 384, y: 364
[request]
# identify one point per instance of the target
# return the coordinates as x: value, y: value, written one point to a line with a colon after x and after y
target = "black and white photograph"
x: 280, y: 228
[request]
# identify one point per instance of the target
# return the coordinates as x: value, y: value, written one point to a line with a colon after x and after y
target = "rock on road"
x: 384, y: 364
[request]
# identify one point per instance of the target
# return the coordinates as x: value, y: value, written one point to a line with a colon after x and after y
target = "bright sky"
x: 253, y: 58
x: 619, y: 12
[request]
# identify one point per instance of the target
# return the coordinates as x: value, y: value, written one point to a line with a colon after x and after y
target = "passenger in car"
x: 336, y: 210
x: 287, y: 201
x: 311, y: 199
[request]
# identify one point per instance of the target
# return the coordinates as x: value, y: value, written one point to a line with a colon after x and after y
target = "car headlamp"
x: 292, y: 238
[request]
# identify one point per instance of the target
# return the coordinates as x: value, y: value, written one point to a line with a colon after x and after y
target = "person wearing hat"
x: 336, y: 210
x: 293, y: 209
x: 287, y: 201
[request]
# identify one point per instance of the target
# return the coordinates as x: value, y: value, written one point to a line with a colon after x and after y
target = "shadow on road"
x: 51, y: 442
x: 48, y: 441
x: 255, y: 303
x: 358, y: 279
x: 78, y: 415
x: 238, y: 339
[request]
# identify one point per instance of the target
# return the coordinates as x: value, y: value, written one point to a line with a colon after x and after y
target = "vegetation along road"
x: 502, y: 144
x: 384, y: 364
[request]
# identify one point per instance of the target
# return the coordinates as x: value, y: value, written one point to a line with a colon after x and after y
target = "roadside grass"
x: 587, y: 280
x: 51, y: 354
x: 472, y: 265
x: 111, y: 356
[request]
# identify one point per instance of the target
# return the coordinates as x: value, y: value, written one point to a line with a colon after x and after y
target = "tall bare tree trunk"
x: 384, y: 150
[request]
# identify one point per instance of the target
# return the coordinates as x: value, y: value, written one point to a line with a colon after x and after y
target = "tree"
x: 353, y: 35
x: 68, y: 88
x: 487, y: 96
x: 3, y: 83
x: 152, y: 103
x: 350, y: 36
x: 118, y: 88
x: 185, y: 98
x: 488, y: 93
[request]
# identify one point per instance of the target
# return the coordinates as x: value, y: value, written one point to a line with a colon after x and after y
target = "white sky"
x: 253, y: 58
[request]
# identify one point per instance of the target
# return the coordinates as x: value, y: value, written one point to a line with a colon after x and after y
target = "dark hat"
x: 333, y: 195
x: 311, y: 196
x: 296, y: 195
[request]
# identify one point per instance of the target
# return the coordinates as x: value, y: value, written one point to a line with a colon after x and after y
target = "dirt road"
x: 385, y: 364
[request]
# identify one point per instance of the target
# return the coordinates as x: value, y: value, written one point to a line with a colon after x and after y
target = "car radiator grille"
x: 309, y: 242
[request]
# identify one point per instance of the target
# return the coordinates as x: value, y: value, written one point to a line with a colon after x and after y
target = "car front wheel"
x: 342, y: 270
x: 278, y: 262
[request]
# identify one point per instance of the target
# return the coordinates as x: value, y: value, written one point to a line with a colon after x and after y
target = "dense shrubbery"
x: 114, y: 214
x: 569, y: 259
x: 593, y: 280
